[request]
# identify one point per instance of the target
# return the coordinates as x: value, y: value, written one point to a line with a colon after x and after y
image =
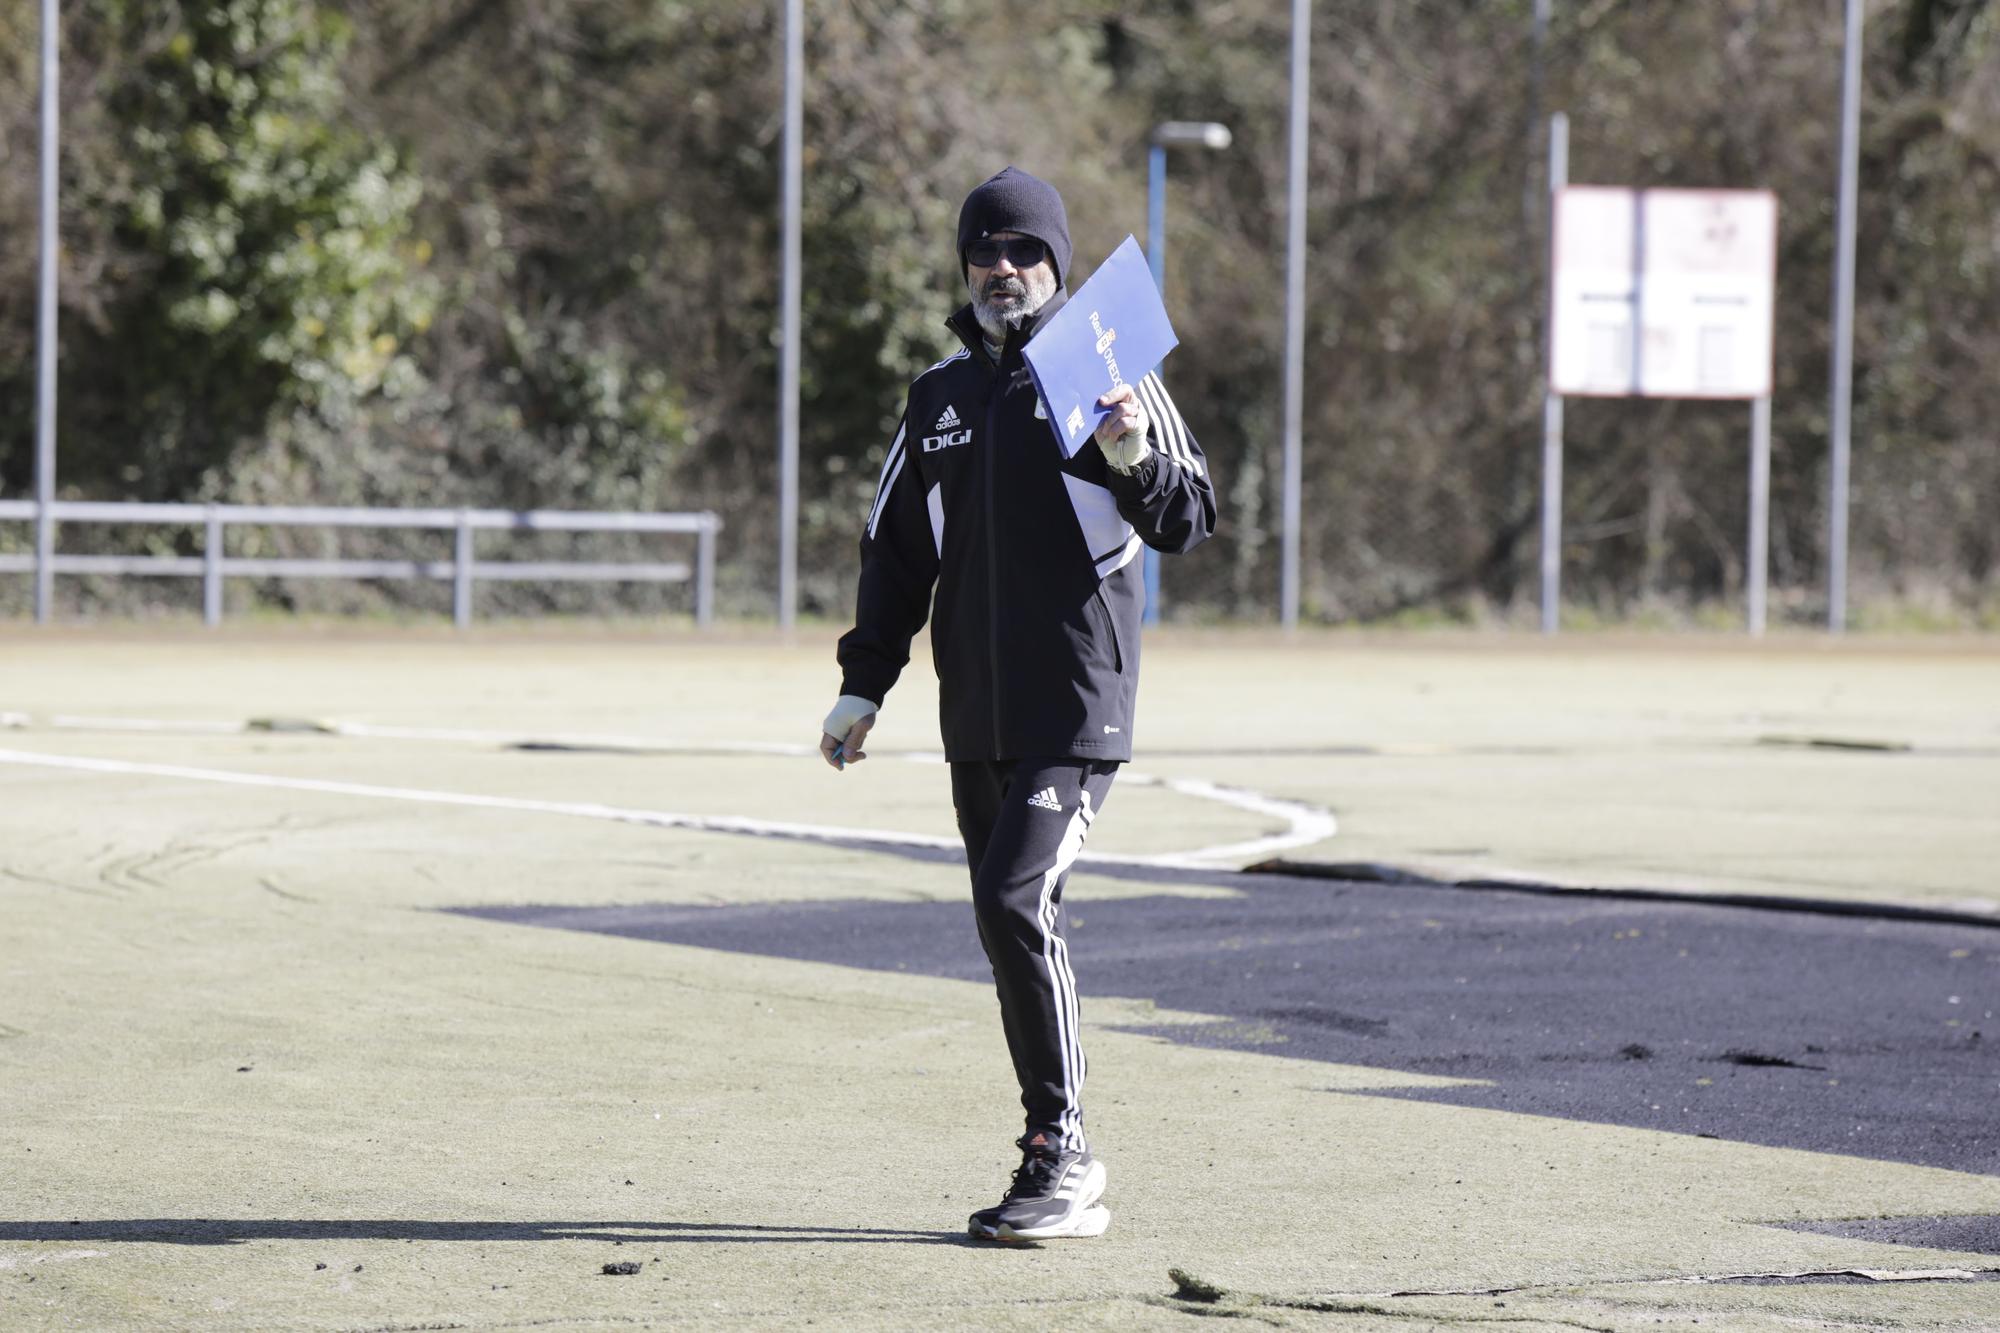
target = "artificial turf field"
x: 287, y: 1039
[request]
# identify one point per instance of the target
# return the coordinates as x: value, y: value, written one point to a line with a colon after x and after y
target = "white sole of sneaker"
x: 1092, y: 1221
x: 1094, y: 1183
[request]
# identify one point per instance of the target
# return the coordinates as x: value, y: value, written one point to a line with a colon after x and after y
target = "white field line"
x: 1304, y: 824
x: 143, y: 724
x: 470, y: 800
x: 1308, y: 825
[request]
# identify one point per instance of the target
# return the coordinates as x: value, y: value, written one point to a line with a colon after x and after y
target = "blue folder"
x: 1112, y: 331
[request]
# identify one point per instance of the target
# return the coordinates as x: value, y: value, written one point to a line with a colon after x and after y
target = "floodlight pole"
x: 1180, y: 134
x: 1840, y: 408
x: 1295, y: 316
x: 1552, y: 401
x: 1758, y: 556
x: 788, y: 353
x: 1538, y: 34
x: 45, y: 329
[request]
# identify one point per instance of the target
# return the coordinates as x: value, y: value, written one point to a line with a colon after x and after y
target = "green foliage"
x: 525, y: 253
x: 240, y: 255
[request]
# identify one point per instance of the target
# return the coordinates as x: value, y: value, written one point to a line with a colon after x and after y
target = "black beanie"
x: 1016, y: 201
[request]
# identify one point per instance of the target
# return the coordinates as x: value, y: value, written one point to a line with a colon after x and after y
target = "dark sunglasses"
x: 1021, y: 252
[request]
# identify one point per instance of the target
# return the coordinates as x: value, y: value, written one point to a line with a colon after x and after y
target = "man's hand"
x: 845, y: 729
x: 1121, y: 436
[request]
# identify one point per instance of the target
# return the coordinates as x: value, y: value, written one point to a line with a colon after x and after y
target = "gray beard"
x: 995, y: 319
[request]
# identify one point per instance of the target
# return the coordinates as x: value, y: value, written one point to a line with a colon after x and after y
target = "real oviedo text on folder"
x: 1112, y: 331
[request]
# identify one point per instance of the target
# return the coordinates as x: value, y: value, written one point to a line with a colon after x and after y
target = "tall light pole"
x: 45, y: 332
x: 1538, y: 36
x: 1295, y: 315
x: 788, y: 350
x: 1552, y: 402
x: 1167, y: 134
x: 1839, y: 410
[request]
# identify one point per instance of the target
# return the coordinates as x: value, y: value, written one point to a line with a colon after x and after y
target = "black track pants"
x: 1024, y: 821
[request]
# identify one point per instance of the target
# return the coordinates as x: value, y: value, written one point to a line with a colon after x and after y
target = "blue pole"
x: 1156, y: 259
x: 1156, y: 214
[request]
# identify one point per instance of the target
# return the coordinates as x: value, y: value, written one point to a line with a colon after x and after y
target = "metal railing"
x: 214, y: 564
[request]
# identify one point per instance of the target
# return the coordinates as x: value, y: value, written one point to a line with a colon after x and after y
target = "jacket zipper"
x: 992, y: 556
x: 1110, y: 628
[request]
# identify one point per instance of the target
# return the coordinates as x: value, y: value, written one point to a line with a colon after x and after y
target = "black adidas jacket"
x: 1034, y: 558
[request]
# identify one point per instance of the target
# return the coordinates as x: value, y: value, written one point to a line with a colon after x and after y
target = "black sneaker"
x: 1054, y: 1195
x: 984, y: 1224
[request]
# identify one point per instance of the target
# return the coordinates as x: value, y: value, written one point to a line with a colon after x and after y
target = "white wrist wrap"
x: 848, y: 710
x: 1128, y: 451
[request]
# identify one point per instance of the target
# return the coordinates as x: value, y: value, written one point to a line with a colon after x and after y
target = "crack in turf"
x: 1539, y: 1320
x: 114, y: 872
x: 1200, y: 1309
x: 1253, y: 1307
x: 1194, y: 1295
x: 159, y: 869
x: 45, y: 882
x: 1202, y: 1299
x: 271, y: 885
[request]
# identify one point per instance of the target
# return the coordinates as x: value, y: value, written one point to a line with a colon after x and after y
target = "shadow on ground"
x: 1864, y: 1037
x: 235, y: 1231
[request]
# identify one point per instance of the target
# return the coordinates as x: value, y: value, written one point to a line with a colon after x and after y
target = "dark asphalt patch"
x: 1377, y: 872
x: 1972, y: 1234
x: 1872, y: 1038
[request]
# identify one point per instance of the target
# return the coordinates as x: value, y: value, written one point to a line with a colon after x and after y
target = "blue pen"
x: 840, y: 756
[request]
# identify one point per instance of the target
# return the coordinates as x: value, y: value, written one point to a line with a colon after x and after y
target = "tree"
x: 234, y: 254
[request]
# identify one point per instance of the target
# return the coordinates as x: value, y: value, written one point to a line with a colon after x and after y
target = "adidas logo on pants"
x: 1024, y: 822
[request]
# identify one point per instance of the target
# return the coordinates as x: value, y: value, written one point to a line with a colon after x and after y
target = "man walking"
x: 1026, y: 563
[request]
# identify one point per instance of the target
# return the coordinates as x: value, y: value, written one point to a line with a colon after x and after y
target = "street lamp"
x: 1167, y: 134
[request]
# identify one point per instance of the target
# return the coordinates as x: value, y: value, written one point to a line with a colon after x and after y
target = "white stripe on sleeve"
x: 1173, y: 430
x: 891, y: 466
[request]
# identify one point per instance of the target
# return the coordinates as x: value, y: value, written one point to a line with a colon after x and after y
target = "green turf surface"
x: 234, y: 1006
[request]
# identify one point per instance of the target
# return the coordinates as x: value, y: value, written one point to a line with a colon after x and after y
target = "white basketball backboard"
x: 1663, y: 293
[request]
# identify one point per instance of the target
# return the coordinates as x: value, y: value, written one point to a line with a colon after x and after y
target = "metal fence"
x: 462, y: 571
